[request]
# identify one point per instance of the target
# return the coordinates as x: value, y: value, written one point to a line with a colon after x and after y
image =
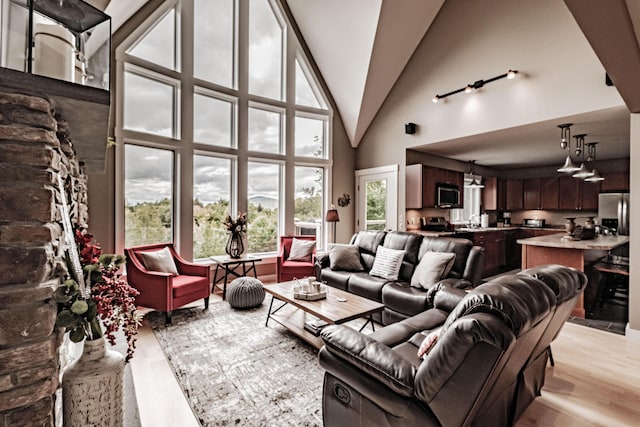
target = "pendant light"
x: 591, y: 157
x: 583, y: 172
x: 474, y: 182
x: 565, y: 144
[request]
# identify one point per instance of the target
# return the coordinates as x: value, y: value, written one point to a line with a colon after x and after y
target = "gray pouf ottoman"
x: 245, y: 292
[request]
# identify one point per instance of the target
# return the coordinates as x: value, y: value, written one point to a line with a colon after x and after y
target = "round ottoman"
x: 245, y: 292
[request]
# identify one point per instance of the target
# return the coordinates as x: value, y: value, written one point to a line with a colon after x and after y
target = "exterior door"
x: 377, y: 198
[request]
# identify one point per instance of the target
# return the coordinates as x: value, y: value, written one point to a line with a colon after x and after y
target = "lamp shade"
x: 332, y: 216
x: 568, y: 166
x: 583, y: 172
x: 595, y: 177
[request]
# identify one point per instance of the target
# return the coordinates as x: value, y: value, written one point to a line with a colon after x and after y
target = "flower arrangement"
x: 96, y: 293
x: 237, y: 225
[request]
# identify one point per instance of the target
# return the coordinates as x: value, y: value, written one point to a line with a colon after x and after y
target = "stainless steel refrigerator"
x: 613, y: 210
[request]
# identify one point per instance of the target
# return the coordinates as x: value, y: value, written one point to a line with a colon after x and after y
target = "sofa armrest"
x: 322, y: 260
x: 373, y: 358
x: 447, y: 293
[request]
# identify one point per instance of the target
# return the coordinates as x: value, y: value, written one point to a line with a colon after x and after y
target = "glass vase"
x: 235, y: 245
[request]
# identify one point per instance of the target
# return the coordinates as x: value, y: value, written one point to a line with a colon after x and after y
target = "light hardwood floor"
x: 595, y: 382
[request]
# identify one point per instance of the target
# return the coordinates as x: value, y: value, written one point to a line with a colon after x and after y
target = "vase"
x: 569, y: 225
x: 235, y: 245
x: 92, y: 387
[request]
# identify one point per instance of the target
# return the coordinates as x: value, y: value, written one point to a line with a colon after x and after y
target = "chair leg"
x: 168, y: 317
x: 551, y: 361
x: 206, y: 303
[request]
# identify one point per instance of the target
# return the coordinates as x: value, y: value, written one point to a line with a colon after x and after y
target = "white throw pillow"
x: 433, y: 267
x: 301, y: 250
x: 387, y: 263
x: 160, y: 260
x: 344, y: 258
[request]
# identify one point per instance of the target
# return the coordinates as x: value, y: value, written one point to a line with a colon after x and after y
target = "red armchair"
x: 287, y: 269
x: 166, y: 291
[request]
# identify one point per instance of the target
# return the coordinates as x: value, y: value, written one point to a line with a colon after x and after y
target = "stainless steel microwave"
x: 447, y: 195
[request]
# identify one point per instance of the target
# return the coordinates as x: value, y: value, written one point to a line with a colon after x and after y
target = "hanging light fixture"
x: 474, y: 182
x: 583, y: 172
x: 565, y: 144
x: 565, y: 135
x: 591, y: 157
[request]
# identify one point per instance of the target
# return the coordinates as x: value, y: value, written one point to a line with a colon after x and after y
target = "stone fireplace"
x: 36, y: 147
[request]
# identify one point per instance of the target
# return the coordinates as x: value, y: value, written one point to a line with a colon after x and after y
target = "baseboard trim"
x: 632, y: 335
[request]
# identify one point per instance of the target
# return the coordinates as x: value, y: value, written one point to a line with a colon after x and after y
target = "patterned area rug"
x: 236, y: 371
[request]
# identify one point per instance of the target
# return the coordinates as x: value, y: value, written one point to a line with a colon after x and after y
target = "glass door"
x: 377, y: 201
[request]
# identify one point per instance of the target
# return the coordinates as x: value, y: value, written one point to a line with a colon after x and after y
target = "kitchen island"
x: 557, y: 249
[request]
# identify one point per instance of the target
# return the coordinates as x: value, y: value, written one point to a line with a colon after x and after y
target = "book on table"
x: 315, y: 326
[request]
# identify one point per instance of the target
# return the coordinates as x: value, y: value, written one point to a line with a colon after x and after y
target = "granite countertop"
x: 605, y: 243
x: 432, y: 233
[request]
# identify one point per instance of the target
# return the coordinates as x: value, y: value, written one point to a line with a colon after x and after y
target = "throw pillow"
x: 345, y: 257
x: 387, y: 263
x: 433, y: 267
x: 301, y: 250
x: 428, y: 342
x: 161, y: 260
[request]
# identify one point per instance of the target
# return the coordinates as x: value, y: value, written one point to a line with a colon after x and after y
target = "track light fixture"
x: 471, y: 87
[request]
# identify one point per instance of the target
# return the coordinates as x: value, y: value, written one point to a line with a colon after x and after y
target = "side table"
x: 236, y: 267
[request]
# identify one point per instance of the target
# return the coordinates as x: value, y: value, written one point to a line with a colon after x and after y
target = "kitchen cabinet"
x: 577, y: 194
x: 494, y: 194
x: 615, y: 182
x: 540, y: 193
x: 420, y: 185
x: 494, y: 244
x: 514, y: 195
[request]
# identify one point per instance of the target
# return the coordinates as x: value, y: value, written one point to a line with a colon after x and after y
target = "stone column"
x: 31, y: 265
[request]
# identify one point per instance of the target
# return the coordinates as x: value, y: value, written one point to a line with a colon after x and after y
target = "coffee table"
x: 294, y: 313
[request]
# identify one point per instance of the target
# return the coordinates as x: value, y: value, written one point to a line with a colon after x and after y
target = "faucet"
x: 474, y: 224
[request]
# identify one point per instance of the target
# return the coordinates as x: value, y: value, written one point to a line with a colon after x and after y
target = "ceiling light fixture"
x: 583, y: 172
x: 471, y: 87
x: 565, y: 135
x: 591, y: 157
x: 474, y: 182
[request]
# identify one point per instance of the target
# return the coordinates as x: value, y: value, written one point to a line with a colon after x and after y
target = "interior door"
x: 377, y: 198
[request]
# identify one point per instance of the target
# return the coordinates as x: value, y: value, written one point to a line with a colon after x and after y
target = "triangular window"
x: 305, y: 95
x: 158, y: 45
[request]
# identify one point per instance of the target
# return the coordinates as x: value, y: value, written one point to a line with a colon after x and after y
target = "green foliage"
x: 151, y: 223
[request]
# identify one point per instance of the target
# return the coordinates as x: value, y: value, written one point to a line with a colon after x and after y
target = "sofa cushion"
x: 368, y: 242
x: 160, y: 260
x: 184, y: 285
x: 367, y: 286
x: 301, y: 250
x: 387, y: 263
x: 344, y: 257
x: 405, y: 299
x: 410, y: 243
x: 461, y: 247
x: 432, y: 267
x: 337, y: 279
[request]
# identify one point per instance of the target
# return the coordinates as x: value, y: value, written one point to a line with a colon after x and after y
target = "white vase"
x: 92, y: 387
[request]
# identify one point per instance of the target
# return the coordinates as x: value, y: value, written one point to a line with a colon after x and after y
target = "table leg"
x: 266, y: 323
x: 369, y: 321
x: 215, y: 279
x: 224, y: 288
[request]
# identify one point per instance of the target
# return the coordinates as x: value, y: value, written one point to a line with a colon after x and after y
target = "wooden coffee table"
x: 294, y: 313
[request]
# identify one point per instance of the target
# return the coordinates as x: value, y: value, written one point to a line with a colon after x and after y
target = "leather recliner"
x: 473, y: 374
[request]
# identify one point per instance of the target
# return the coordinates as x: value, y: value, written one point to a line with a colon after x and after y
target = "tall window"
x: 200, y: 142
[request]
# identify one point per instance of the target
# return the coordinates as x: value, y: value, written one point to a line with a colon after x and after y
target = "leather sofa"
x: 400, y: 299
x: 480, y: 371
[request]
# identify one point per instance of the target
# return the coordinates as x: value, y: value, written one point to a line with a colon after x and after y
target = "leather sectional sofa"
x: 485, y: 368
x: 402, y: 300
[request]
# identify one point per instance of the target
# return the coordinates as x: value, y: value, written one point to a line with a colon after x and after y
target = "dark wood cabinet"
x: 495, y: 256
x: 494, y: 194
x: 514, y: 195
x: 577, y: 194
x: 531, y: 193
x: 420, y: 185
x: 540, y: 193
x: 618, y: 181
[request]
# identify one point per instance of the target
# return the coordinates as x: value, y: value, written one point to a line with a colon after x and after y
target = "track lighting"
x: 471, y: 87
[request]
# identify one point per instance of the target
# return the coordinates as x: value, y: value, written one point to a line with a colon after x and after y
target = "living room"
x: 560, y: 76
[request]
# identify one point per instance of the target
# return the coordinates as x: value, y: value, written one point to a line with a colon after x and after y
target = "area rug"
x: 236, y: 371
